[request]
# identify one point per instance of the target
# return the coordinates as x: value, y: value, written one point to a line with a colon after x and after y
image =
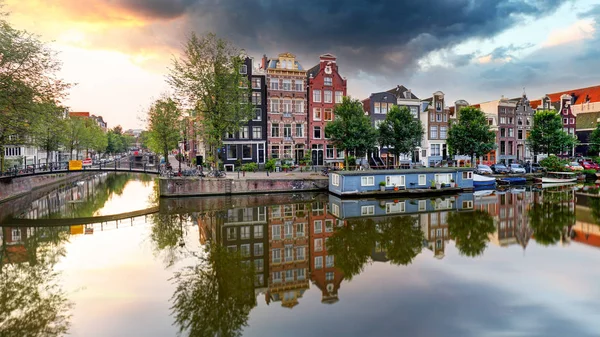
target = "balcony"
x: 287, y: 115
x: 287, y: 139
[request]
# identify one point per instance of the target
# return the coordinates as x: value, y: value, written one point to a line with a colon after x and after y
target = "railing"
x: 61, y: 167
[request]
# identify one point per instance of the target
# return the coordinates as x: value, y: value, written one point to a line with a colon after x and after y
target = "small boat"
x: 512, y: 180
x: 483, y: 193
x: 558, y: 178
x: 479, y: 180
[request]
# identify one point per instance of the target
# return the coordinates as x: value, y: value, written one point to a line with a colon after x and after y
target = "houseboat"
x: 424, y: 181
x: 558, y: 178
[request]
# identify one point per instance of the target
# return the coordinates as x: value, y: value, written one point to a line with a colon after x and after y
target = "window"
x: 276, y: 232
x: 367, y: 210
x: 445, y: 115
x: 288, y: 230
x: 317, y: 114
x: 329, y: 152
x: 339, y: 96
x: 511, y: 132
x: 299, y: 85
x: 367, y: 181
x: 528, y: 121
x: 433, y: 132
x: 335, y: 179
x: 300, y: 274
x: 328, y: 114
x: 289, y: 253
x: 243, y: 69
x: 275, y: 130
x: 422, y: 205
x: 245, y: 232
x: 257, y: 114
x: 247, y: 151
x: 245, y: 250
x: 431, y: 117
x: 318, y: 245
x: 232, y: 151
x: 277, y: 277
x: 287, y: 106
x: 435, y: 150
x: 327, y: 81
x: 422, y: 179
x: 318, y: 226
x: 244, y: 132
x: 572, y: 121
x: 300, y: 130
x: 519, y: 134
x: 398, y: 207
x: 287, y: 152
x: 502, y: 147
x: 298, y: 106
x: 327, y: 96
x: 287, y: 85
x: 502, y: 109
x: 256, y: 98
x: 467, y: 175
x: 274, y: 151
x: 502, y: 132
x: 16, y: 234
x: 287, y: 131
x: 438, y: 117
x: 329, y: 276
x: 384, y: 108
x: 318, y: 262
x: 274, y: 84
x: 317, y: 96
x: 258, y: 249
x: 502, y: 120
x: 259, y: 265
x: 340, y: 153
x: 414, y: 111
x: 467, y: 204
x: 442, y: 132
x: 328, y: 226
x: 300, y: 230
x: 274, y: 105
x: 377, y: 108
x: 317, y: 132
x: 300, y: 253
x: 329, y: 261
x: 256, y: 82
x: 230, y: 135
x: 256, y: 132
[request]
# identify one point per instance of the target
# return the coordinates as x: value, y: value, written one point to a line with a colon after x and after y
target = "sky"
x: 118, y: 51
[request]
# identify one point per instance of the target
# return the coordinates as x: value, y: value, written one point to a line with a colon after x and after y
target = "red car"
x: 589, y: 165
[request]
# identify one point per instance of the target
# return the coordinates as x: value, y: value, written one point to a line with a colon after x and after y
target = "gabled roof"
x: 429, y: 100
x: 535, y: 103
x: 313, y: 71
x: 587, y: 120
x: 399, y: 92
x: 592, y: 93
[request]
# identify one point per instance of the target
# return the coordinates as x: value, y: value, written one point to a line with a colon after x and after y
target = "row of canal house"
x: 292, y: 106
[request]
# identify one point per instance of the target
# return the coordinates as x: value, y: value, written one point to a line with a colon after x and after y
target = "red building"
x: 326, y: 87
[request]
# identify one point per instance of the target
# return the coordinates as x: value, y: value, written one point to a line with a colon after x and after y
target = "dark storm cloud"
x: 504, y: 52
x: 372, y: 35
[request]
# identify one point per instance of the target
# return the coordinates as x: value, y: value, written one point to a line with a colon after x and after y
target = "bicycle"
x: 216, y: 174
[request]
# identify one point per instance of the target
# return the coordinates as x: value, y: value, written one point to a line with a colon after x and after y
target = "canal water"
x: 513, y: 262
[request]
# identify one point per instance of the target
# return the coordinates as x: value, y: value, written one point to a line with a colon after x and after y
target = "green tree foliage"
x: 117, y: 141
x: 352, y: 245
x: 594, y: 140
x: 214, y: 297
x: 470, y: 231
x: 84, y: 134
x: 47, y: 131
x: 207, y: 76
x: 351, y: 130
x: 163, y: 126
x: 547, y: 135
x: 402, y: 239
x: 554, y: 164
x: 471, y: 134
x: 28, y: 71
x: 549, y: 218
x: 400, y: 131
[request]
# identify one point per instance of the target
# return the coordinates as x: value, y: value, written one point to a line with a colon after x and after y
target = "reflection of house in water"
x: 288, y: 252
x: 13, y: 242
x: 435, y: 229
x: 322, y: 265
x: 587, y: 228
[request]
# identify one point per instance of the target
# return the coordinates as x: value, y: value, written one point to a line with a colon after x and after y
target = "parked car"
x: 500, y: 168
x: 534, y: 168
x: 574, y: 166
x: 483, y: 169
x: 517, y: 168
x: 589, y: 165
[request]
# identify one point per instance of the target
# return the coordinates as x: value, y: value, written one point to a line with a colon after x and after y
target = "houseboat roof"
x: 405, y: 171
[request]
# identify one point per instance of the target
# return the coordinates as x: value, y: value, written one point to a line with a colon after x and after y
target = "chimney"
x: 263, y: 62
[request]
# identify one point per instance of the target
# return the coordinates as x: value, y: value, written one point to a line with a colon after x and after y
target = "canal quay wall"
x: 187, y: 187
x: 18, y: 186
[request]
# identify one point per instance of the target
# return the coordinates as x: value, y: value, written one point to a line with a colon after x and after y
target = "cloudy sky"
x: 118, y: 51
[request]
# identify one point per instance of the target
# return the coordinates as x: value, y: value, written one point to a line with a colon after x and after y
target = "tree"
x: 163, y: 126
x: 400, y: 131
x: 594, y: 140
x: 207, y: 75
x: 471, y: 135
x: 351, y: 130
x: 48, y: 129
x: 470, y: 231
x: 547, y: 135
x: 28, y: 71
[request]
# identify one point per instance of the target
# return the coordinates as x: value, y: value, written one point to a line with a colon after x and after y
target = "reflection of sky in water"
x: 134, y: 197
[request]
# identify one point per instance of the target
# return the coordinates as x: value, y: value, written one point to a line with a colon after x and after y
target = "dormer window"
x: 438, y: 106
x: 328, y: 81
x: 244, y: 69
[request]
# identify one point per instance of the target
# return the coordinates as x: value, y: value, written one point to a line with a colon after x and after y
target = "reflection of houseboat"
x: 407, y: 181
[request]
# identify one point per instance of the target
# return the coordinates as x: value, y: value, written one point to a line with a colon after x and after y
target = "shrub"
x: 553, y: 163
x: 250, y: 167
x: 270, y: 164
x: 382, y: 183
x: 589, y: 172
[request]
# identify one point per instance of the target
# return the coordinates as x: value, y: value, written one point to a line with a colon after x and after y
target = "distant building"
x: 436, y: 125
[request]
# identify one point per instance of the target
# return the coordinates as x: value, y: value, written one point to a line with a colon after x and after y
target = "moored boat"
x: 479, y: 180
x: 512, y: 180
x: 558, y: 178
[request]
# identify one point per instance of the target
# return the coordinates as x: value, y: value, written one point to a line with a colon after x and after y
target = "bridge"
x: 19, y: 222
x: 7, y: 176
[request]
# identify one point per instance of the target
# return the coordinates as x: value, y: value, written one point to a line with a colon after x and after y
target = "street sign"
x: 75, y: 165
x: 87, y: 162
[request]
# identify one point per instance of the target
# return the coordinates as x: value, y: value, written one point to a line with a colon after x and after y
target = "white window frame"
x: 367, y: 181
x: 467, y: 175
x: 339, y: 96
x: 318, y: 262
x: 367, y: 210
x: 317, y: 96
x: 327, y: 96
x: 422, y: 179
x: 320, y: 226
x: 395, y: 207
x: 422, y: 205
x: 398, y: 180
x: 244, y: 69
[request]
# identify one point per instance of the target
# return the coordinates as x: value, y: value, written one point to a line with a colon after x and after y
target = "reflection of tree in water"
x: 167, y: 235
x: 352, y: 244
x: 401, y: 238
x: 549, y: 218
x: 470, y: 231
x: 31, y: 301
x: 214, y: 297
